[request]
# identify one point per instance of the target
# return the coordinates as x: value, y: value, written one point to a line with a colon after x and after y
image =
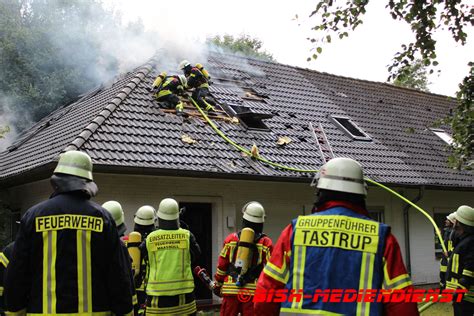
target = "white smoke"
x: 7, y: 117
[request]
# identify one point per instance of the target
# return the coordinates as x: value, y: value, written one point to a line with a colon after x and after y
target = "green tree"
x: 414, y: 76
x: 425, y: 19
x: 51, y: 51
x: 244, y: 44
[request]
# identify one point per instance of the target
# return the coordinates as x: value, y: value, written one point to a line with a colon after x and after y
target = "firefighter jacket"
x: 460, y: 271
x: 344, y: 249
x: 196, y: 79
x: 172, y: 85
x: 68, y: 260
x: 170, y: 263
x: 227, y: 258
x: 448, y: 236
x: 169, y: 271
x: 5, y: 256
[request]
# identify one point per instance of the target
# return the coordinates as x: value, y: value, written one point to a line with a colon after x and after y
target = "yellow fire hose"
x: 247, y: 152
x: 425, y: 307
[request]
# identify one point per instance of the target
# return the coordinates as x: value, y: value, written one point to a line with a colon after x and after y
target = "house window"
x: 443, y: 135
x: 350, y: 128
x: 377, y: 214
x: 254, y: 123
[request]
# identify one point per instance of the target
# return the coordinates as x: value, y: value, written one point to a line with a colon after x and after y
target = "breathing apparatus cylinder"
x: 244, y: 255
x: 134, y: 241
x: 204, y: 71
x: 159, y: 80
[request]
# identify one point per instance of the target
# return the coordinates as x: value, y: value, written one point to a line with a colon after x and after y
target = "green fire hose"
x: 276, y: 165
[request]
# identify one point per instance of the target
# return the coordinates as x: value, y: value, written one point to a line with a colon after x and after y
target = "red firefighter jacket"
x: 227, y: 256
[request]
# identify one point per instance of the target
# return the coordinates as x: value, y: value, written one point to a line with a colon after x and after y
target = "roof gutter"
x: 406, y: 223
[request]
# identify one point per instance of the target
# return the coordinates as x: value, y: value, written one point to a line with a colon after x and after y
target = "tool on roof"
x: 276, y: 165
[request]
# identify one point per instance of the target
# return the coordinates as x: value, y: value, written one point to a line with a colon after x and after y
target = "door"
x: 198, y: 218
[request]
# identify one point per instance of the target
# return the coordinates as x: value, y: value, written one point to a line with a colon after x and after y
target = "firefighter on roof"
x: 198, y: 78
x: 171, y: 251
x: 336, y: 247
x: 167, y: 89
x: 460, y: 270
x: 241, y: 261
x: 67, y: 258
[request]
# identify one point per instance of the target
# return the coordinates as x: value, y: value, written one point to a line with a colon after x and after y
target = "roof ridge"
x: 387, y: 84
x: 111, y: 106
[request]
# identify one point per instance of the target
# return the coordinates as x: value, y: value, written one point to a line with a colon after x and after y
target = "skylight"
x: 350, y: 128
x: 443, y: 135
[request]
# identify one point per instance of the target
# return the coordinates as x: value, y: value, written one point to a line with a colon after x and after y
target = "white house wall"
x: 282, y: 201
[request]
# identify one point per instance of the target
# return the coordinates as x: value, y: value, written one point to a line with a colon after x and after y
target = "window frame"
x: 334, y: 118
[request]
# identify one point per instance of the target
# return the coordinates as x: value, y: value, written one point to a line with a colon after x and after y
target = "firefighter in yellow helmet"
x: 198, y: 79
x: 460, y: 270
x: 115, y: 209
x: 449, y: 241
x: 171, y: 251
x: 167, y: 90
x: 329, y: 250
x: 67, y: 258
x: 241, y: 261
x: 144, y: 220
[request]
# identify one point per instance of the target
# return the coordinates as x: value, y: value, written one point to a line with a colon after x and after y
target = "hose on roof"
x: 266, y: 161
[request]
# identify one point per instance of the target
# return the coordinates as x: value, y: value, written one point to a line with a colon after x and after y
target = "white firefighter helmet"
x: 168, y: 209
x: 451, y: 217
x: 145, y: 216
x: 343, y: 175
x: 254, y: 212
x: 465, y: 215
x: 183, y: 64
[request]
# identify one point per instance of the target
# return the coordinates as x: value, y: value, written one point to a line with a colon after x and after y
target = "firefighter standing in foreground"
x: 115, y: 209
x: 144, y: 224
x: 460, y: 270
x: 67, y: 257
x: 324, y: 251
x: 448, y: 236
x: 5, y: 257
x: 171, y: 251
x: 229, y: 279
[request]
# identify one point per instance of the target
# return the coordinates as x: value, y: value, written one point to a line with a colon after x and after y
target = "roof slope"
x: 121, y: 126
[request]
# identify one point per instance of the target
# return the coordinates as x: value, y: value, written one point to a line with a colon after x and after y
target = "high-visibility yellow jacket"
x: 169, y: 260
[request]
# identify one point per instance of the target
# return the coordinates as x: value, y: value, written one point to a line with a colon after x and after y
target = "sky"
x: 364, y: 55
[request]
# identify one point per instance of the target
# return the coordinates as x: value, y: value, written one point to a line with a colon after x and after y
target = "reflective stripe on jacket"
x: 169, y: 260
x: 68, y: 260
x: 460, y: 270
x: 342, y: 250
x: 227, y: 256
